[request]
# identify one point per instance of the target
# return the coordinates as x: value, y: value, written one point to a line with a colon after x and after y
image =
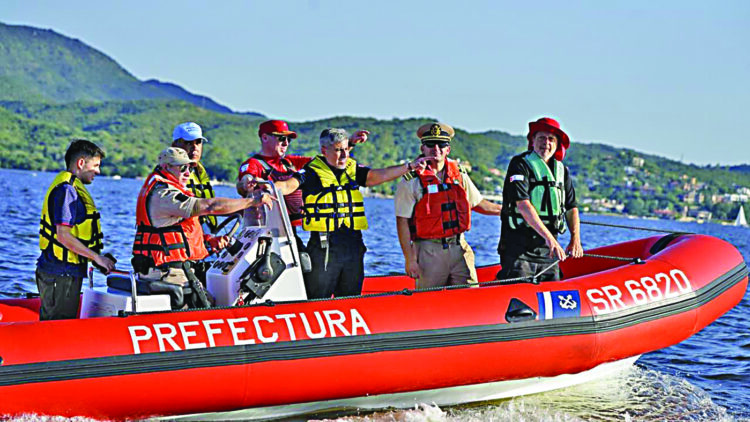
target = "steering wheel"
x: 225, y: 228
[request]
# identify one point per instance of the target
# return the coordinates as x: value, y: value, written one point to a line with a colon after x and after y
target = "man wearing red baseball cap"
x: 273, y: 163
x: 539, y: 200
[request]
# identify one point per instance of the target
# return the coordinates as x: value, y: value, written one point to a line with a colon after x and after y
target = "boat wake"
x: 635, y: 394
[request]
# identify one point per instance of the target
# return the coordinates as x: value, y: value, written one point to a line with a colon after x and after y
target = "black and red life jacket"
x: 444, y: 209
x: 177, y: 243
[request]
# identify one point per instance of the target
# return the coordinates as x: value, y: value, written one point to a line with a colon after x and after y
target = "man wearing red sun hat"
x: 539, y: 200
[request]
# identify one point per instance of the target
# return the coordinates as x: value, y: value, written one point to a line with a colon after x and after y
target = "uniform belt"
x: 455, y: 240
x: 174, y: 264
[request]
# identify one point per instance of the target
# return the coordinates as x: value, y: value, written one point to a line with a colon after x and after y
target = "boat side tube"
x: 276, y: 353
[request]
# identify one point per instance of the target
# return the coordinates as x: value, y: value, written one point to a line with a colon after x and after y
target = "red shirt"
x: 254, y: 167
x: 294, y: 201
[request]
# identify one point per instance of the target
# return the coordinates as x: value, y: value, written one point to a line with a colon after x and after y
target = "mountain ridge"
x: 43, y: 65
x: 74, y: 91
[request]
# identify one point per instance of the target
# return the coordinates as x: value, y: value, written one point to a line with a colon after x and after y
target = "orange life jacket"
x: 444, y: 209
x: 177, y: 243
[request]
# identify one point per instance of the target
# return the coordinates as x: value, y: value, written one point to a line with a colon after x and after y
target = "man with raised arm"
x: 169, y: 237
x: 70, y: 233
x: 335, y: 213
x: 539, y: 201
x: 433, y: 210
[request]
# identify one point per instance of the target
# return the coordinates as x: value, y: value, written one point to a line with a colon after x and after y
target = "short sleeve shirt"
x: 67, y: 210
x: 310, y: 184
x: 168, y: 206
x: 254, y: 167
x: 524, y: 242
x: 409, y: 192
x: 516, y: 187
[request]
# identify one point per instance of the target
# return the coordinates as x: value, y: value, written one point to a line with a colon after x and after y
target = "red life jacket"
x: 178, y: 243
x: 444, y: 209
x: 294, y: 203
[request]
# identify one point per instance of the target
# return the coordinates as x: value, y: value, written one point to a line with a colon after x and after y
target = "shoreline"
x: 497, y: 198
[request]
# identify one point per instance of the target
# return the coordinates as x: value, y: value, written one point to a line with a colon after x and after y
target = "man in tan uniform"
x: 169, y: 239
x: 433, y: 210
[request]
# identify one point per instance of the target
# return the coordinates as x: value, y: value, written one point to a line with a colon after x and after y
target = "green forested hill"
x: 54, y: 89
x: 35, y: 135
x: 42, y: 65
x: 131, y: 132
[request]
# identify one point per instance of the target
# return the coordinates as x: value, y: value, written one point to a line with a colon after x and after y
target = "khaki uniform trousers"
x: 445, y: 266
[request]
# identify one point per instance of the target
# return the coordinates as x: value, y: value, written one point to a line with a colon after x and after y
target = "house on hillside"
x: 699, y: 214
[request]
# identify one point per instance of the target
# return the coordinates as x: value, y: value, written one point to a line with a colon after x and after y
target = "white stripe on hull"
x: 441, y: 396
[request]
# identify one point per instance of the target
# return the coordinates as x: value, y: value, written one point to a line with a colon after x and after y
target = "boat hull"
x: 379, y: 345
x: 440, y: 396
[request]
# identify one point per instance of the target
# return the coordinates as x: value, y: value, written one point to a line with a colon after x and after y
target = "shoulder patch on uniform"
x: 517, y: 178
x: 463, y: 169
x: 181, y: 197
x: 243, y: 168
x: 409, y: 175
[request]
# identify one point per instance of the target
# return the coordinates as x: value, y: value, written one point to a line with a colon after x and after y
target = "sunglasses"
x: 198, y: 141
x: 432, y: 144
x: 183, y: 168
x: 283, y: 138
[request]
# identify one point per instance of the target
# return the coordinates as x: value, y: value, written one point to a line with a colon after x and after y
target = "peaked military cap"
x: 435, y: 132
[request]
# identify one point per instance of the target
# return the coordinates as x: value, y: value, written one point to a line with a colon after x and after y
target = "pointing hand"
x: 359, y: 137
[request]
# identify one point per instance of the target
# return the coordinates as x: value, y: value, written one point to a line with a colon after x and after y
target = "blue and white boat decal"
x: 559, y: 304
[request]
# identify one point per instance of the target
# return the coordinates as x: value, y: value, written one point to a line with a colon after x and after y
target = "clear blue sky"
x: 664, y: 77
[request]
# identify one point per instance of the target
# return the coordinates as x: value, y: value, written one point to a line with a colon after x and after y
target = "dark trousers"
x: 60, y: 295
x: 345, y: 272
x: 517, y: 267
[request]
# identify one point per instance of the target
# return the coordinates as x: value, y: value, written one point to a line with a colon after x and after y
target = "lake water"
x: 706, y: 377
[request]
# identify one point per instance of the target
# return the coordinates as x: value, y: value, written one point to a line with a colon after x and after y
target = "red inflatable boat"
x: 390, y: 347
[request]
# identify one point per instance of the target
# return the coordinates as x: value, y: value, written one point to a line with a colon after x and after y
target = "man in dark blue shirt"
x: 69, y: 234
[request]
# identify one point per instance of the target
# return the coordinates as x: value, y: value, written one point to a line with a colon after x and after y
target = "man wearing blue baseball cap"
x: 189, y: 136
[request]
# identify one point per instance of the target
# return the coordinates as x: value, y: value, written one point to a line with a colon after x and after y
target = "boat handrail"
x: 284, y: 215
x: 133, y: 284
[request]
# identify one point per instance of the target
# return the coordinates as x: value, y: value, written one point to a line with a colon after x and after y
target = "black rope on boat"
x: 592, y: 223
x: 635, y: 260
x: 535, y: 278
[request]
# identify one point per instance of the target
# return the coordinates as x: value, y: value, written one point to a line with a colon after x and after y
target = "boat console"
x: 262, y: 263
